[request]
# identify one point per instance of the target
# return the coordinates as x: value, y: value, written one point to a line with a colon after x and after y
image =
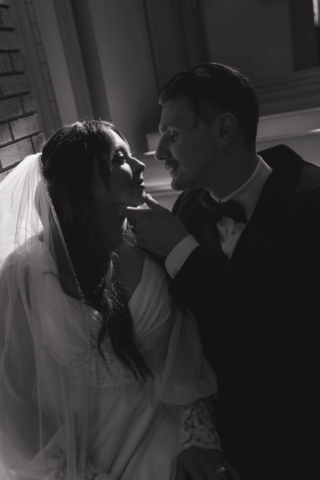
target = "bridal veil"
x: 39, y: 411
x: 46, y: 344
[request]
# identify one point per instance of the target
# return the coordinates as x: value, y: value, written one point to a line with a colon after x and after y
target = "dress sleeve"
x: 197, y: 426
x: 187, y: 375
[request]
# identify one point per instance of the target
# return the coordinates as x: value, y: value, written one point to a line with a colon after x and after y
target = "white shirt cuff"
x: 179, y: 255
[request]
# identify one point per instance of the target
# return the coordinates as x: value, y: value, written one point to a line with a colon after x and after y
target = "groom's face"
x: 190, y: 151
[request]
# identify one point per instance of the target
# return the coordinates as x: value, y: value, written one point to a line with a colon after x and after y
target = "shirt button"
x: 233, y: 231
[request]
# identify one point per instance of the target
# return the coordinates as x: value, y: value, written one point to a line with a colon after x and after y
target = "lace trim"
x: 112, y: 373
x: 90, y: 473
x: 197, y: 426
x: 103, y: 374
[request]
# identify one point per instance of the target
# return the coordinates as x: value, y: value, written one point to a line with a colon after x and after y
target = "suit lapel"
x: 259, y: 242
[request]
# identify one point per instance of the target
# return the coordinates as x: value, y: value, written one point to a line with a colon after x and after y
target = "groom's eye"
x: 173, y: 135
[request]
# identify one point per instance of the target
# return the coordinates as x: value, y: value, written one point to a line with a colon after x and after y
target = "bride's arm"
x: 199, y: 447
x: 19, y: 422
x: 34, y: 438
x: 188, y: 384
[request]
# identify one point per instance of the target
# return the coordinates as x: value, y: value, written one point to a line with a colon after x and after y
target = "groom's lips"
x: 171, y: 166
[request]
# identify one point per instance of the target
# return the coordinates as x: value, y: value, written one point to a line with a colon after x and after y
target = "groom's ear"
x: 228, y: 126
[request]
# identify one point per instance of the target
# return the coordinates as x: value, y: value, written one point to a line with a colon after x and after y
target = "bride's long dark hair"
x: 68, y: 164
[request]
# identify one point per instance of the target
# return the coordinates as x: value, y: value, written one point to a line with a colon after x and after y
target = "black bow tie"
x: 230, y: 209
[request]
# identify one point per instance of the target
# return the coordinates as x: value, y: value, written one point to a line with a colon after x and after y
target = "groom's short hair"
x: 212, y: 88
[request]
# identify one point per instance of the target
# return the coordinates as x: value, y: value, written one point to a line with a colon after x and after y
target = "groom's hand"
x: 155, y: 228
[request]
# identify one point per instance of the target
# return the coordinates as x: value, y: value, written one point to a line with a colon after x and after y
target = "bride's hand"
x: 204, y: 464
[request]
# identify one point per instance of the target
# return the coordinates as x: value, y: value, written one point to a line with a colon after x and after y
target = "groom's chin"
x: 176, y: 185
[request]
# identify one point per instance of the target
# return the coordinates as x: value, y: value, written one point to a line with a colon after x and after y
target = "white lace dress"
x: 133, y: 434
x: 133, y: 425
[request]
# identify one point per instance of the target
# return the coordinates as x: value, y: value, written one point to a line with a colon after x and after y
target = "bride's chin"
x: 139, y: 200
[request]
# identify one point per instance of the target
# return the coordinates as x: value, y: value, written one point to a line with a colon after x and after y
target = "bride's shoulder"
x: 32, y: 252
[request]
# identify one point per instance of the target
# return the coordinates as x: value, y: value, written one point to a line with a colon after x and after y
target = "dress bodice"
x: 129, y: 430
x: 152, y: 312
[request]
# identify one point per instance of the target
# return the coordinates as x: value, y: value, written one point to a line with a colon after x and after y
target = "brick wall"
x: 20, y: 125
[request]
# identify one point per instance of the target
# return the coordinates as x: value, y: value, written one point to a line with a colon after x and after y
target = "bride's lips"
x: 139, y: 183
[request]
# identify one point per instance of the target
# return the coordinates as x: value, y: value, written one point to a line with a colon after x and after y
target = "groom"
x: 242, y: 248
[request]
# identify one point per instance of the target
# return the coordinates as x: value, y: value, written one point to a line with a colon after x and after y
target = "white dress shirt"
x: 229, y: 230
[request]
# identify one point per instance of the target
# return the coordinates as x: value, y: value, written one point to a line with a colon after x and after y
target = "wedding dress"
x: 64, y: 412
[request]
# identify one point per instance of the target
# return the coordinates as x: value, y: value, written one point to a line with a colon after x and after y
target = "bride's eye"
x: 119, y: 157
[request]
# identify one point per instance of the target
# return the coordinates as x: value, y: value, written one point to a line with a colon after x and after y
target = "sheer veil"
x: 44, y: 336
x: 49, y: 365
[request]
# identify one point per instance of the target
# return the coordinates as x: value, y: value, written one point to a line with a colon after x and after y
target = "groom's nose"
x: 162, y: 151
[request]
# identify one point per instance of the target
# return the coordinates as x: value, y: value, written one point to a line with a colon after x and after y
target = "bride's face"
x: 125, y: 183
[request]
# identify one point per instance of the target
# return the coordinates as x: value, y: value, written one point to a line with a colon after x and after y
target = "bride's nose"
x: 137, y: 165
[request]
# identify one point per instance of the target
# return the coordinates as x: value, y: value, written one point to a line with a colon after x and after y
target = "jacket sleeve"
x: 200, y: 282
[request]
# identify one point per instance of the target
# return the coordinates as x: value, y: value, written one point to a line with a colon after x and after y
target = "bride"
x: 101, y: 374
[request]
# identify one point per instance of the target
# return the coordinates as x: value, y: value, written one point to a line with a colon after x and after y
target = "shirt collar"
x: 248, y: 194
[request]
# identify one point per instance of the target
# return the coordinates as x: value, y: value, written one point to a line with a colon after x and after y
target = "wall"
x: 20, y: 125
x: 123, y: 47
x: 49, y: 31
x: 252, y: 35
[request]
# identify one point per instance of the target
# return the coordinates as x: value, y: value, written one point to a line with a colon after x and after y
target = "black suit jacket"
x: 258, y: 316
